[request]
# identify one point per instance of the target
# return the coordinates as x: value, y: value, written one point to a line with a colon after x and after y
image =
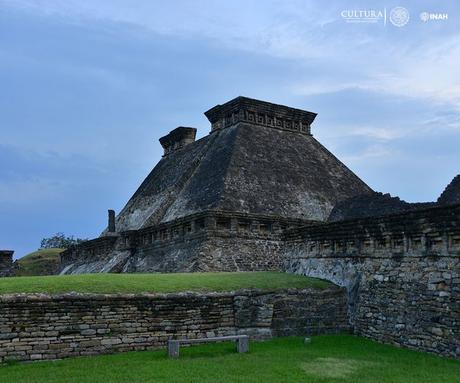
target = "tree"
x: 60, y: 240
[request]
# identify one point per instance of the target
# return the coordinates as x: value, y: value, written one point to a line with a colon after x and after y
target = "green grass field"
x: 160, y: 283
x: 335, y: 358
x: 39, y: 262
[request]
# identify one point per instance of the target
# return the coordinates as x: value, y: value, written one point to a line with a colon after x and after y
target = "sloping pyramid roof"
x: 259, y: 158
x: 451, y: 195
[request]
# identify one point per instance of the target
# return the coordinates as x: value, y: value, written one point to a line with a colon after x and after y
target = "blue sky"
x: 88, y: 87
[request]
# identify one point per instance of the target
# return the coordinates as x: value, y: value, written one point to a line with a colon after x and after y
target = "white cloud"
x: 413, y: 62
x: 377, y: 133
x: 379, y: 152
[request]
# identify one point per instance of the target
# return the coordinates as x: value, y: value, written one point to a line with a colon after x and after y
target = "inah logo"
x: 399, y: 16
x: 426, y: 16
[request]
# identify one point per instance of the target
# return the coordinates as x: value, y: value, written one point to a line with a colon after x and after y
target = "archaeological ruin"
x: 222, y: 203
x: 259, y: 192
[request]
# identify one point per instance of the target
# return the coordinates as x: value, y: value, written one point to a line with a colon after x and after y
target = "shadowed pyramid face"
x: 451, y: 194
x: 260, y: 158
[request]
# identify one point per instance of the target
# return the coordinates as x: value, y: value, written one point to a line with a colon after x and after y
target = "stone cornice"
x: 177, y: 139
x: 256, y: 112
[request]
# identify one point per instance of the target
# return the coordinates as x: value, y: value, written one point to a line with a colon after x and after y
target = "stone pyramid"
x: 260, y: 158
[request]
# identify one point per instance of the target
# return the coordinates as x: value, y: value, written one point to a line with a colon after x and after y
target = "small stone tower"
x: 6, y: 263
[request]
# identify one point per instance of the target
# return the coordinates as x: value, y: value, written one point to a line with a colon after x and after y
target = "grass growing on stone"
x: 334, y: 358
x: 39, y: 262
x: 160, y: 283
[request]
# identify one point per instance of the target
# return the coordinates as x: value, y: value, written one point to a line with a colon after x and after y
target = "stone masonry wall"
x: 402, y: 274
x: 226, y: 253
x: 208, y: 241
x: 38, y: 327
x: 6, y: 263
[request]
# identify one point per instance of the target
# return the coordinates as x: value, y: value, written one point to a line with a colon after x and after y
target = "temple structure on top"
x: 223, y: 202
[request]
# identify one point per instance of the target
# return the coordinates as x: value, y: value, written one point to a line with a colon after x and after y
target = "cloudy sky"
x: 87, y: 88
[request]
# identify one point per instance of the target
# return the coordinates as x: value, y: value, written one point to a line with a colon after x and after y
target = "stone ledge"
x: 40, y: 297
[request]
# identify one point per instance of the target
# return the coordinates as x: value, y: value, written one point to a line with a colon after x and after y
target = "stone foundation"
x: 38, y: 327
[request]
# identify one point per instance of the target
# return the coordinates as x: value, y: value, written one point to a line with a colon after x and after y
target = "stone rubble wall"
x: 402, y: 274
x: 40, y: 327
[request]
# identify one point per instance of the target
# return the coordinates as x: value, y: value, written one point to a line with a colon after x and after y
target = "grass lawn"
x: 333, y: 358
x: 161, y: 283
x: 39, y: 262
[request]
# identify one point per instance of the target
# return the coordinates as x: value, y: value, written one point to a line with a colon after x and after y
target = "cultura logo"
x: 399, y: 16
x: 362, y: 15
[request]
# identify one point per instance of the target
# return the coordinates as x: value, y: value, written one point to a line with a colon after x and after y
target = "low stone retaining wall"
x: 37, y: 327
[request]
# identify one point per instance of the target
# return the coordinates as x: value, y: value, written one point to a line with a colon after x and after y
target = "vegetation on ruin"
x: 39, y: 262
x: 60, y: 240
x: 328, y: 358
x: 160, y: 283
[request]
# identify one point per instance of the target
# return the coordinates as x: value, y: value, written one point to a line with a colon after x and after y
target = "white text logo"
x: 431, y: 16
x: 398, y: 16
